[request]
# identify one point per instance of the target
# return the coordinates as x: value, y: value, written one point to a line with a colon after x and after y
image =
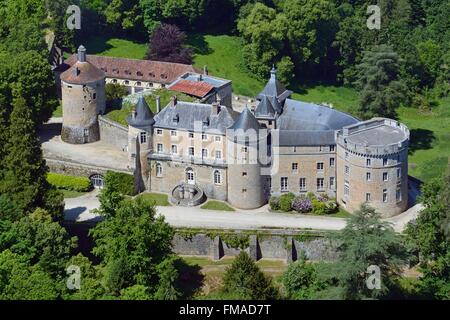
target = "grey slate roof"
x: 194, y: 117
x: 275, y: 91
x: 303, y: 123
x: 246, y: 121
x: 265, y: 109
x: 143, y: 116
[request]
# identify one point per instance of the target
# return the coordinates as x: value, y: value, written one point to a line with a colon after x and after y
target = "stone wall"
x: 113, y: 133
x: 77, y: 169
x: 281, y: 245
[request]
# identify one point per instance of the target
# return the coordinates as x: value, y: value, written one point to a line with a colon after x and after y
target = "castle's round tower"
x: 83, y: 98
x: 372, y: 166
x: 245, y: 182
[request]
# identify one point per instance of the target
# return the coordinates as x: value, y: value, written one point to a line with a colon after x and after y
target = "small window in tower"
x: 143, y: 137
x: 70, y: 87
x: 94, y: 96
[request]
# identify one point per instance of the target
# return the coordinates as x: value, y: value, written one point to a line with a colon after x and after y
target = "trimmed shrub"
x: 61, y: 181
x: 274, y: 203
x: 120, y: 182
x: 302, y: 204
x: 319, y: 207
x: 286, y: 202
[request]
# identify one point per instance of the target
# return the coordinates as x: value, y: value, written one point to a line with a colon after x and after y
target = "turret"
x: 83, y: 98
x: 246, y: 183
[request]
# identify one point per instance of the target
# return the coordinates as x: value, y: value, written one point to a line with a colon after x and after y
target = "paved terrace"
x: 97, y: 154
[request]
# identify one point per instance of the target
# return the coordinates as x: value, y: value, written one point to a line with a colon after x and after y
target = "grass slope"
x: 156, y: 198
x: 217, y: 205
x: 115, y: 47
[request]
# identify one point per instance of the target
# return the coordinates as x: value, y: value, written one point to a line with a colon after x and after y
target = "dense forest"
x: 315, y: 40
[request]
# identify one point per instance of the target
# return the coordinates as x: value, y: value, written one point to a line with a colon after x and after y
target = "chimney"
x: 81, y: 54
x: 205, y: 70
x: 200, y: 78
x: 173, y: 101
x: 133, y: 114
x: 158, y: 104
x: 215, y: 108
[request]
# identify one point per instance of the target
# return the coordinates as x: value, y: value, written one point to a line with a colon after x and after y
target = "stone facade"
x: 373, y: 174
x: 113, y: 133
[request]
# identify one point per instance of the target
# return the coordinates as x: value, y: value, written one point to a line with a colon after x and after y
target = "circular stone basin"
x: 187, y: 195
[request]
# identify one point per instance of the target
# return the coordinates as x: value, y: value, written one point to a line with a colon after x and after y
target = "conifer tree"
x: 24, y: 172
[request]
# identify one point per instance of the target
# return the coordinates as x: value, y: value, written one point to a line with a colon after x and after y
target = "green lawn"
x: 340, y: 214
x: 217, y: 205
x: 58, y: 112
x: 156, y: 198
x: 71, y: 194
x: 121, y: 115
x: 115, y: 47
x: 223, y: 56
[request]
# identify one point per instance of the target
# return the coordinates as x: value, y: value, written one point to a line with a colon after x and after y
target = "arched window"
x: 158, y: 170
x: 97, y: 181
x: 217, y: 177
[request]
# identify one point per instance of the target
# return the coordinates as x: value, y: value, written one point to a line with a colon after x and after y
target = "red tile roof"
x: 138, y: 70
x: 82, y: 73
x: 194, y: 88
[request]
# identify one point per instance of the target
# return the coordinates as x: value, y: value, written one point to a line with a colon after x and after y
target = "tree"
x: 167, y: 44
x: 20, y: 281
x: 367, y: 241
x: 429, y: 235
x: 40, y: 241
x: 132, y: 242
x: 168, y: 278
x: 115, y: 91
x: 285, y: 70
x: 381, y: 91
x: 300, y: 280
x: 244, y: 280
x: 24, y: 169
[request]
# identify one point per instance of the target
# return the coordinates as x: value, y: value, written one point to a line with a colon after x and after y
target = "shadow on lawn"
x: 199, y: 44
x: 190, y: 280
x: 421, y: 139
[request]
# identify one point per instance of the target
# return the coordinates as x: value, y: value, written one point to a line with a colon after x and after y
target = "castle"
x: 199, y: 150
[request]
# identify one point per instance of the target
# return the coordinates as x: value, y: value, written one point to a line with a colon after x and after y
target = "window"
x: 347, y: 169
x: 174, y: 149
x: 143, y: 137
x: 244, y: 174
x: 284, y: 184
x: 217, y: 177
x: 160, y: 147
x: 331, y: 148
x: 320, y: 148
x: 385, y: 176
x: 159, y: 132
x: 302, y: 184
x: 294, y: 149
x: 368, y: 162
x: 332, y: 182
x: 320, y: 184
x: 346, y: 188
x: 368, y: 176
x: 244, y: 190
x: 331, y: 162
x: 398, y: 194
x: 368, y: 197
x: 346, y: 155
x: 173, y: 133
x: 158, y: 170
x: 94, y: 96
x: 244, y: 149
x: 191, y: 151
x: 191, y: 135
x: 190, y: 176
x: 385, y: 196
x: 385, y: 161
x: 319, y: 165
x: 204, y: 137
x: 399, y: 173
x: 218, y: 154
x: 217, y: 138
x: 295, y: 167
x: 204, y: 153
x: 127, y: 82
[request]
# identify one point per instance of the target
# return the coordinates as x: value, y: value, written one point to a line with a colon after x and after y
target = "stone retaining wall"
x: 77, y: 169
x: 113, y: 133
x: 271, y: 246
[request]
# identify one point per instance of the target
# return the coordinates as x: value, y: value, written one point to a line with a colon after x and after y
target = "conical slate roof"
x: 246, y: 121
x: 143, y: 115
x: 265, y: 109
x: 273, y: 88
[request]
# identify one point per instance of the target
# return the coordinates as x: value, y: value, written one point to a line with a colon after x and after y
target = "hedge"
x: 61, y: 181
x: 120, y: 182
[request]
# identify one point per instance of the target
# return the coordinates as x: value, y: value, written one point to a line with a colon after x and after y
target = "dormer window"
x: 139, y: 74
x: 176, y: 118
x: 163, y: 76
x: 206, y: 122
x: 151, y: 74
x: 116, y: 71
